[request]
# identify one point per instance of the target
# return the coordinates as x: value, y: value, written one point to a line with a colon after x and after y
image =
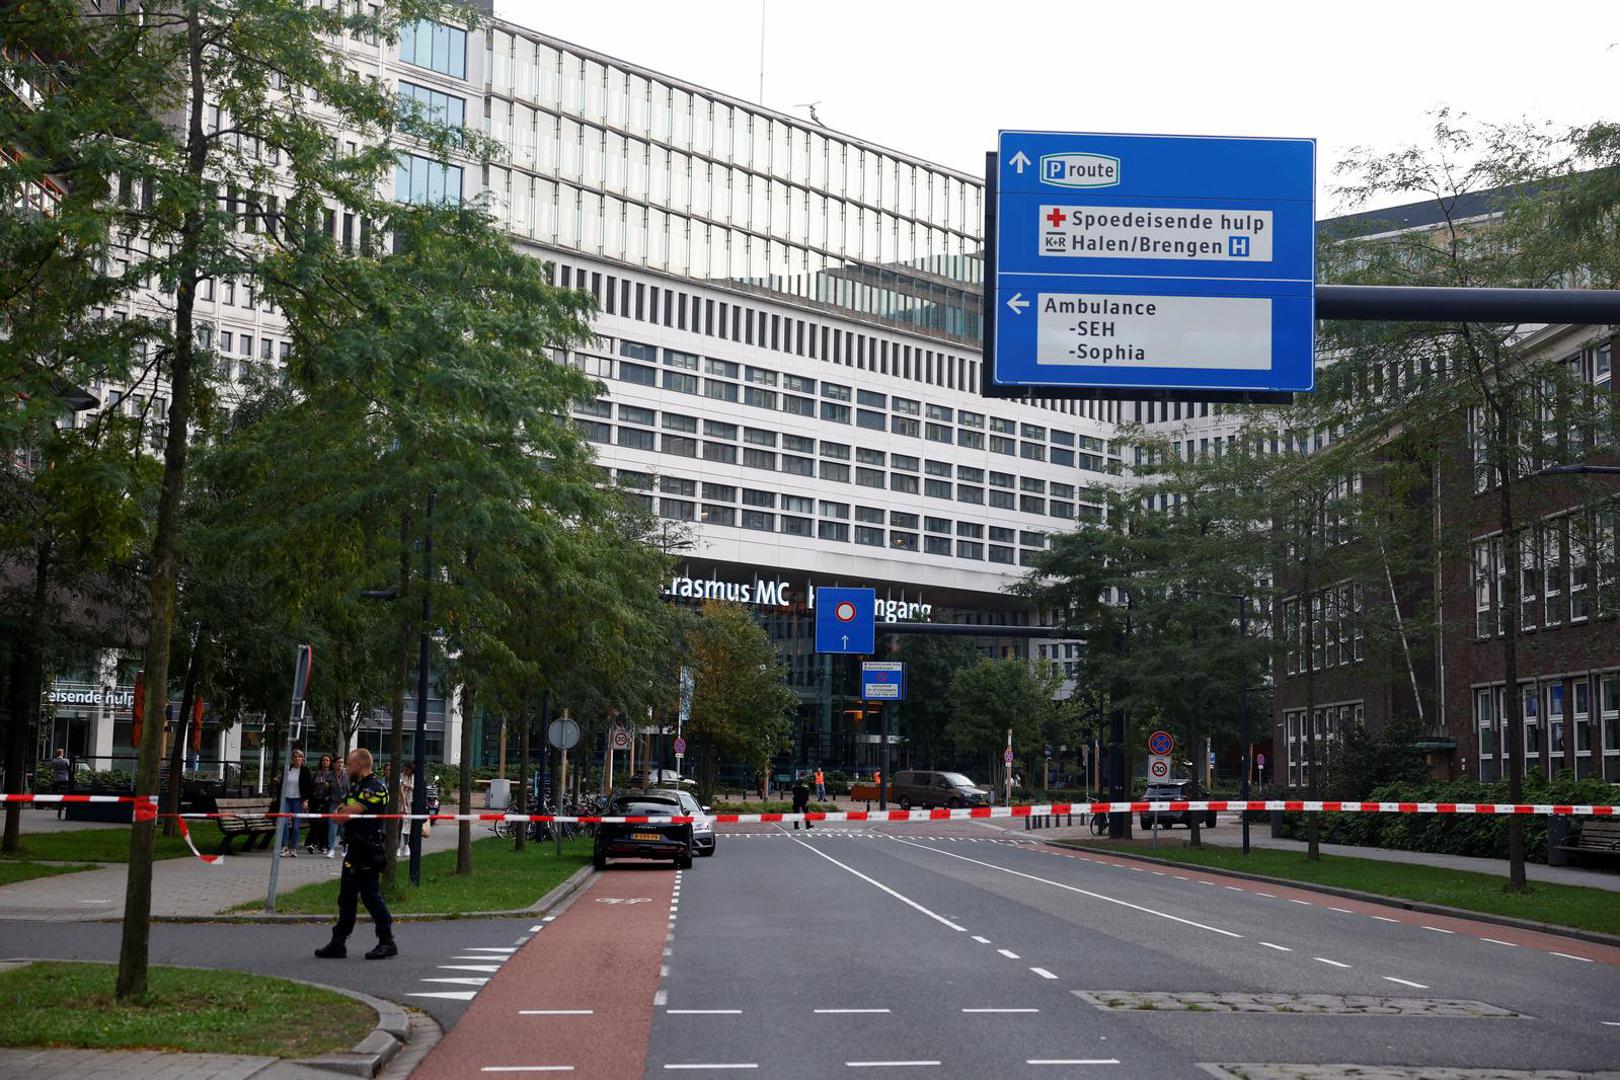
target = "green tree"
x: 931, y: 664
x: 993, y: 697
x: 741, y: 700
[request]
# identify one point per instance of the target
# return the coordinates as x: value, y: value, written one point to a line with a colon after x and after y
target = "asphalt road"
x: 952, y: 952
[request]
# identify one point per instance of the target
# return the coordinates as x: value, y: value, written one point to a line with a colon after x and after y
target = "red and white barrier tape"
x: 1023, y: 811
x: 145, y: 809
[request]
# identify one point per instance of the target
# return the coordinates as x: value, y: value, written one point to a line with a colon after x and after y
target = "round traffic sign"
x: 844, y: 612
x: 680, y: 745
x: 1161, y: 743
x: 621, y: 738
x: 1007, y: 756
x: 1260, y: 760
x: 1159, y: 768
x: 562, y: 734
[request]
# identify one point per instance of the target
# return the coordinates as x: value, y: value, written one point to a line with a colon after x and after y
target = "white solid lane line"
x: 1043, y: 973
x: 556, y: 1012
x: 1405, y: 982
x: 704, y: 1012
x: 1279, y: 948
x: 717, y: 1065
x: 906, y: 900
x: 1009, y: 954
x: 1074, y: 889
x: 843, y: 1012
x: 1330, y: 963
x: 1022, y: 1011
x: 1570, y: 956
x: 1071, y: 1061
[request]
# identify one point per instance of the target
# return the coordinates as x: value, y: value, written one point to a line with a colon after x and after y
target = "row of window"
x: 1574, y: 415
x: 731, y: 321
x: 684, y: 499
x: 1033, y: 499
x: 1326, y: 630
x: 598, y: 93
x: 1563, y: 561
x: 1331, y: 723
x: 1559, y: 723
x: 435, y: 46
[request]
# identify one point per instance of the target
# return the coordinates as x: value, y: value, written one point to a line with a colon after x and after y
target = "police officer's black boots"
x: 333, y: 950
x: 385, y: 948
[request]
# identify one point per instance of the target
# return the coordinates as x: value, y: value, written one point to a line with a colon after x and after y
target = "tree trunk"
x: 134, y: 948
x: 1511, y: 696
x: 464, y: 828
x: 396, y: 703
x: 527, y: 723
x: 26, y: 675
x: 177, y: 758
x: 1313, y: 821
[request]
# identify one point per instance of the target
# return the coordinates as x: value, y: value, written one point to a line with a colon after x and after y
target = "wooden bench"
x: 1596, y: 838
x: 246, y: 818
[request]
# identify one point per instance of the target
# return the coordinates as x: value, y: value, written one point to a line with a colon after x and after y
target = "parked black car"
x: 1171, y: 791
x: 650, y: 839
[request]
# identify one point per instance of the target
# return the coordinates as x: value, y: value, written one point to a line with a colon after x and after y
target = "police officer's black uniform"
x: 363, y: 863
x: 801, y: 801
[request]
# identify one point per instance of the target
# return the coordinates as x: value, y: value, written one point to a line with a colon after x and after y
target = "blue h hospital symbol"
x: 1237, y: 247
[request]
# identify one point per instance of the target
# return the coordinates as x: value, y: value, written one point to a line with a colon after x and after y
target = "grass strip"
x: 12, y: 871
x: 1559, y: 905
x: 111, y: 845
x: 212, y: 1012
x: 502, y: 880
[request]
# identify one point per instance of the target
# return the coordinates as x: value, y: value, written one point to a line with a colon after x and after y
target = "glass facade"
x: 610, y: 160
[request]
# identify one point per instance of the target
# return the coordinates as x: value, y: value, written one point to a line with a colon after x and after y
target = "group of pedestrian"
x: 316, y: 791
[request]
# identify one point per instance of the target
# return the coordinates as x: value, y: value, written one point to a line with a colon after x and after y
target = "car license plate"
x: 646, y: 836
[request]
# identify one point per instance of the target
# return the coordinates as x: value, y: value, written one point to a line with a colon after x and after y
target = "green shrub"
x: 1476, y: 835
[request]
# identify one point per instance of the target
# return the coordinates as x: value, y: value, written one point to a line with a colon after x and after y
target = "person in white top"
x: 407, y: 792
x: 297, y: 785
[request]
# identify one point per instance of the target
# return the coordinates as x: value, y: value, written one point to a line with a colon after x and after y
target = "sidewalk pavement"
x: 1229, y: 834
x: 184, y: 887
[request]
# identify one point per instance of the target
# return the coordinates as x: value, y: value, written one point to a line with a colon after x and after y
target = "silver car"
x: 702, y: 824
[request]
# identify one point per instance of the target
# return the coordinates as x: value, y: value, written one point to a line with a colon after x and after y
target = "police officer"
x: 363, y: 861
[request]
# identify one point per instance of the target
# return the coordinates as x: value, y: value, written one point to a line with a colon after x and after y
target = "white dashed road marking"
x: 1570, y: 956
x: 1009, y: 954
x: 1043, y: 973
x: 1330, y: 963
x: 1405, y: 982
x: 1279, y: 948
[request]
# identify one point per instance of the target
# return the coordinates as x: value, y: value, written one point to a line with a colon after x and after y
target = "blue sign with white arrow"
x: 1153, y: 262
x: 846, y: 621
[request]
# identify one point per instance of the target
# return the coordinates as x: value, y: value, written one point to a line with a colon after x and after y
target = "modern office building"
x: 789, y: 347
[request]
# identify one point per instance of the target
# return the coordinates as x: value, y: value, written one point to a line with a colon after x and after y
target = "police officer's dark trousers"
x: 361, y: 886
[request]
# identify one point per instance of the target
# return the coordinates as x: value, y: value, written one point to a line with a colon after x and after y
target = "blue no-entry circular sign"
x: 1160, y: 743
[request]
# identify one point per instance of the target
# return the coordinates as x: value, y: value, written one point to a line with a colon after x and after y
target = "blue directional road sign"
x: 1132, y: 262
x: 883, y: 680
x: 846, y: 621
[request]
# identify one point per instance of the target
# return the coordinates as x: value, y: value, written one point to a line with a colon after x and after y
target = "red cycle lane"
x: 577, y: 1000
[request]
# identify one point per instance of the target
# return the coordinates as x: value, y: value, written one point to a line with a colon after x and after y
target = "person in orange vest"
x: 821, y: 785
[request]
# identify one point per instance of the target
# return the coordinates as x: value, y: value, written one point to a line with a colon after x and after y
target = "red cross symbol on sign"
x: 1057, y: 217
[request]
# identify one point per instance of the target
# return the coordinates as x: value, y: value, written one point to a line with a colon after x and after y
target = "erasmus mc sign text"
x: 778, y: 594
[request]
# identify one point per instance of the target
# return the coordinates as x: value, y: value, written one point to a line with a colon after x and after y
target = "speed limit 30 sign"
x: 1159, y: 767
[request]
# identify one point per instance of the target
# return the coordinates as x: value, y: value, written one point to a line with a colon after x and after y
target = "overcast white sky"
x: 938, y: 79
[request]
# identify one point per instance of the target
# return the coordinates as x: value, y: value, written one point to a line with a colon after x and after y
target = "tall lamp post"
x: 419, y: 758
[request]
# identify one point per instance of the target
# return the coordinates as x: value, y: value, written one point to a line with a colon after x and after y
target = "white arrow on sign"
x: 1019, y: 161
x: 1017, y: 303
x: 846, y: 641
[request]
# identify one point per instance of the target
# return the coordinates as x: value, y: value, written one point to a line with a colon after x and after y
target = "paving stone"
x: 1235, y: 1071
x: 1302, y: 1004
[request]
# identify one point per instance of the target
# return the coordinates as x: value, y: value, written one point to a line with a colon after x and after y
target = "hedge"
x: 1476, y: 835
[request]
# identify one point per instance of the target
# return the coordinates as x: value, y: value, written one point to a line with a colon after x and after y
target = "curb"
x: 550, y: 900
x: 366, y: 1058
x: 1593, y: 936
